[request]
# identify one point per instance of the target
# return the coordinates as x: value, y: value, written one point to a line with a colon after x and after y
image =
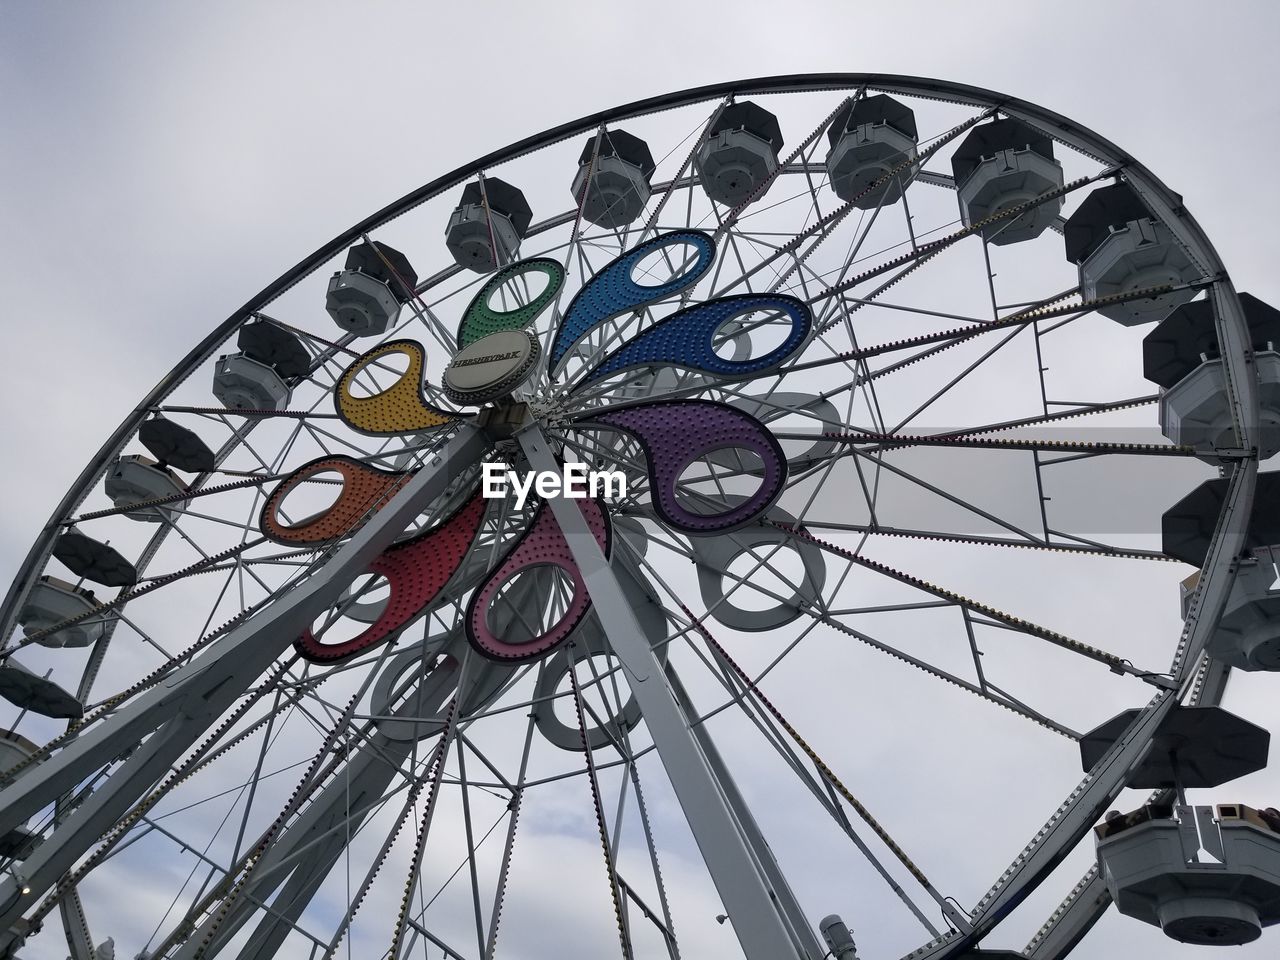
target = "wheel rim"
x: 564, y: 416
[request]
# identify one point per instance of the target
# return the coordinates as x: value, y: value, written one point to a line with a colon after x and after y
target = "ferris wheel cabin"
x: 257, y: 378
x: 1004, y: 164
x: 1182, y: 356
x: 870, y: 139
x: 1248, y: 634
x: 1202, y: 875
x: 612, y: 182
x: 486, y: 227
x: 365, y: 297
x: 740, y: 154
x: 1120, y: 248
x: 53, y: 601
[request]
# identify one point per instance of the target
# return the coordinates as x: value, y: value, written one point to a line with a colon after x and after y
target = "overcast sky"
x: 160, y: 163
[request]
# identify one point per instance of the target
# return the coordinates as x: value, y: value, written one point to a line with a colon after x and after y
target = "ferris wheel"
x: 739, y: 522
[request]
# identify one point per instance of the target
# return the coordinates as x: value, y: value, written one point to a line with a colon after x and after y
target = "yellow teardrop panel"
x: 401, y: 408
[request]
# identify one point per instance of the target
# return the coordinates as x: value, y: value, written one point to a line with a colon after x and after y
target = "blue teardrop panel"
x: 614, y: 290
x: 686, y: 339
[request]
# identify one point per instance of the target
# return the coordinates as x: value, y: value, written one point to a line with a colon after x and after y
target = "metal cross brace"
x: 752, y: 905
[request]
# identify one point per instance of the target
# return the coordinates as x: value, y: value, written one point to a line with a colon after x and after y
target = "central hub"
x: 492, y: 367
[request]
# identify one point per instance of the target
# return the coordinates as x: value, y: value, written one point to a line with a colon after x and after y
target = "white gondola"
x: 485, y: 229
x: 365, y: 297
x: 15, y: 749
x: 1182, y: 355
x: 242, y: 383
x: 50, y: 602
x: 1119, y: 248
x: 872, y: 140
x: 1156, y: 871
x: 1004, y: 164
x: 740, y: 154
x: 1196, y: 411
x: 363, y: 306
x: 1248, y: 635
x: 135, y: 479
x: 613, y: 188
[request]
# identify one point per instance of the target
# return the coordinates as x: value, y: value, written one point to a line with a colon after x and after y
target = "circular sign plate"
x: 491, y: 367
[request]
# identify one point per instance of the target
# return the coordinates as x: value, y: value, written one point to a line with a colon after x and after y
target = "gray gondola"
x: 1155, y: 867
x: 1181, y: 355
x: 1120, y: 248
x: 242, y: 383
x: 1004, y: 164
x: 614, y: 189
x: 258, y: 377
x: 740, y: 154
x: 365, y: 297
x: 1201, y: 878
x: 872, y: 151
x: 486, y: 227
x: 1247, y: 635
x: 134, y: 479
x: 52, y: 601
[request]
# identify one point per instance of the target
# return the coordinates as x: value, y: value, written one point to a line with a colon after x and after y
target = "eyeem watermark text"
x: 574, y: 482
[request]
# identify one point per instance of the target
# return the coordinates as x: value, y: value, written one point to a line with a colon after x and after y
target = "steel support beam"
x: 171, y: 716
x: 79, y: 940
x: 751, y: 833
x: 748, y: 898
x: 1088, y: 902
x: 303, y: 852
